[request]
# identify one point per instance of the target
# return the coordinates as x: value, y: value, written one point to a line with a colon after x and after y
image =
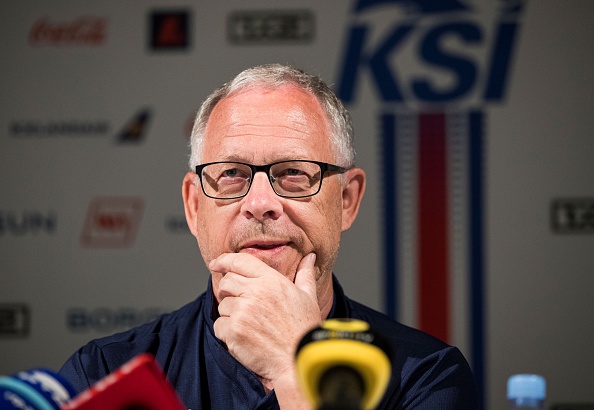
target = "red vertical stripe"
x: 433, y: 227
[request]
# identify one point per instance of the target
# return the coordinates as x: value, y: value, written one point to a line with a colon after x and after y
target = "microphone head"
x: 36, y: 389
x: 344, y: 359
x: 139, y: 384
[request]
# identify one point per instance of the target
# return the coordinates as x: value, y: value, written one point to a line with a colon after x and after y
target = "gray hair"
x: 273, y: 76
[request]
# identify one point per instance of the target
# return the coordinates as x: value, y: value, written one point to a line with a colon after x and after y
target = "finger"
x: 305, y: 278
x: 228, y: 305
x: 241, y: 263
x: 231, y: 284
x: 221, y: 328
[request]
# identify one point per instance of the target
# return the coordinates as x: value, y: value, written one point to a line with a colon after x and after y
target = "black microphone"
x: 343, y: 364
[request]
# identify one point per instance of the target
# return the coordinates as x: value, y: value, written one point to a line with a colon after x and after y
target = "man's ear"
x: 352, y: 193
x: 190, y: 193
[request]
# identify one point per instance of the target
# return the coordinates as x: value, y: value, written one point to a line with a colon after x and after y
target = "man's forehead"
x: 257, y: 157
x: 267, y: 125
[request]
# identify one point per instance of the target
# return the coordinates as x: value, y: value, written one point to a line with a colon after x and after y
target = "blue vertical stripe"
x: 389, y: 181
x: 476, y: 223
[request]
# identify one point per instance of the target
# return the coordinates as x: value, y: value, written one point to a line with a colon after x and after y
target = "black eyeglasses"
x: 289, y: 179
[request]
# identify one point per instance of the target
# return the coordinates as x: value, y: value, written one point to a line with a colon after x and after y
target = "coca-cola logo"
x: 86, y: 30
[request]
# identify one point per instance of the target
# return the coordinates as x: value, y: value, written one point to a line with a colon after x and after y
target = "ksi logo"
x: 433, y: 66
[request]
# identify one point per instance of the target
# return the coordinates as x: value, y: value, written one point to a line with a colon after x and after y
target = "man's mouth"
x: 264, y: 246
x: 278, y: 253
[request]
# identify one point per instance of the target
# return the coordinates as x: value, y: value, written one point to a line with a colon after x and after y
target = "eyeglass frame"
x: 324, y: 167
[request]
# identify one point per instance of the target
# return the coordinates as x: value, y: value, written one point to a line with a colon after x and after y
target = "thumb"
x: 305, y: 278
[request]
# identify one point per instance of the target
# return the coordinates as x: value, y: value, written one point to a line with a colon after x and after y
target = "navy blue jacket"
x: 426, y: 373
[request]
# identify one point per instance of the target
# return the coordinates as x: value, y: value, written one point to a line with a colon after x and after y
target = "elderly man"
x: 272, y: 186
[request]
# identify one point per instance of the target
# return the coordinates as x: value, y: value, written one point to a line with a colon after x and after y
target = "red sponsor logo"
x: 86, y: 30
x: 112, y: 222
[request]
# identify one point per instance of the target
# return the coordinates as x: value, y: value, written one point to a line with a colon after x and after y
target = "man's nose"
x: 261, y: 202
